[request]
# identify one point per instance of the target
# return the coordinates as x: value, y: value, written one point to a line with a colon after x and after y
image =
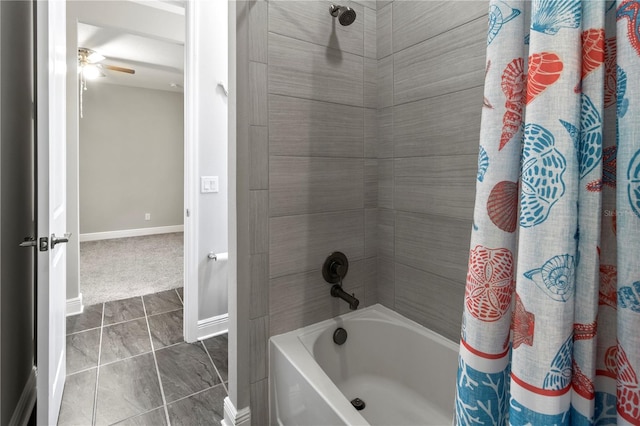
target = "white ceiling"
x: 158, y: 61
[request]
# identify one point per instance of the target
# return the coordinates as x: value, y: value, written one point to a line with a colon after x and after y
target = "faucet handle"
x: 335, y: 268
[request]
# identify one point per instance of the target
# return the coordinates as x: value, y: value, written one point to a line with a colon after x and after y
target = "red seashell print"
x: 630, y: 9
x: 608, y: 286
x: 514, y: 87
x: 502, y: 205
x: 489, y: 283
x: 581, y: 383
x: 592, y: 51
x: 584, y: 331
x: 628, y: 388
x: 610, y: 71
x: 594, y: 186
x: 544, y: 70
x: 611, y: 360
x: 522, y: 324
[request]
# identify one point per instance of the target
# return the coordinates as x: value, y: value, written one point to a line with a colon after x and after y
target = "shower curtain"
x: 551, y: 323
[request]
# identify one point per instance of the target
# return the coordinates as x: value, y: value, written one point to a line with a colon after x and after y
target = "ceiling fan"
x: 90, y: 66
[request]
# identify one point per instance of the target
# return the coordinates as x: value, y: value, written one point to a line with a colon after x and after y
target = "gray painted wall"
x: 16, y: 202
x: 431, y: 64
x: 131, y: 158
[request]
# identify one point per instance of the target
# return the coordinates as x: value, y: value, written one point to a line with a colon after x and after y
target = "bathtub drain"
x: 358, y: 404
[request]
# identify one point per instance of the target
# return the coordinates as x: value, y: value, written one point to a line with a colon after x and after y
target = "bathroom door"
x: 51, y: 217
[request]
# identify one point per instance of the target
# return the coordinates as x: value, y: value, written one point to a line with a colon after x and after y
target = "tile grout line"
x: 155, y: 361
x: 214, y: 366
x: 95, y: 395
x: 181, y: 301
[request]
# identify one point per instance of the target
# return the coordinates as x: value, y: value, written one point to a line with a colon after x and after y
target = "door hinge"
x: 44, y: 244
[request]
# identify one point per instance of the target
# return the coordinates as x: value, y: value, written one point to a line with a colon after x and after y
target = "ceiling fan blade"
x: 119, y: 69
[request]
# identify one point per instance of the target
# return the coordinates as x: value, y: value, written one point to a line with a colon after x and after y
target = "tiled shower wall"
x: 363, y: 139
x: 313, y: 177
x: 431, y: 66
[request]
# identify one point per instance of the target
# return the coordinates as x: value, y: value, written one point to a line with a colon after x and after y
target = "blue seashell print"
x: 481, y: 398
x: 499, y: 14
x: 622, y: 103
x: 483, y: 163
x: 549, y: 16
x: 588, y: 139
x: 556, y: 278
x: 519, y: 415
x: 629, y: 297
x: 578, y: 419
x: 527, y: 39
x: 541, y: 175
x: 605, y: 412
x: 610, y: 5
x: 633, y: 187
x: 559, y: 375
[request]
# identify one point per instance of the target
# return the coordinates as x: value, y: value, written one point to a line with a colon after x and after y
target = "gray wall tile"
x: 305, y: 70
x: 301, y: 299
x: 370, y: 233
x: 259, y: 394
x: 310, y: 21
x: 386, y: 233
x: 442, y: 185
x: 384, y: 30
x: 430, y: 300
x: 315, y: 184
x: 448, y: 62
x: 385, y: 82
x: 258, y: 31
x: 301, y: 243
x: 258, y: 221
x: 382, y: 3
x: 443, y: 125
x: 370, y: 40
x: 386, y: 282
x: 385, y: 183
x: 435, y: 244
x: 371, y: 4
x: 370, y: 133
x: 258, y: 87
x: 385, y: 133
x: 258, y: 339
x: 416, y: 21
x: 259, y: 285
x: 370, y: 83
x: 370, y: 281
x: 370, y: 183
x: 312, y: 128
x: 259, y: 157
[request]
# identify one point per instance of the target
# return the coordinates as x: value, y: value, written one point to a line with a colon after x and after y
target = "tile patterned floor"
x: 127, y: 364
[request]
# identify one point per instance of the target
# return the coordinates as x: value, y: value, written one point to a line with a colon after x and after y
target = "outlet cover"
x: 147, y: 216
x: 208, y: 184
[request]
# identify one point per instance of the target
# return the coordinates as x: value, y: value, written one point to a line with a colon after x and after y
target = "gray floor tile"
x: 164, y: 301
x: 82, y: 350
x: 124, y: 340
x: 166, y: 329
x: 91, y: 317
x: 123, y: 310
x: 77, y: 399
x: 204, y: 408
x: 218, y: 348
x: 185, y: 369
x: 127, y: 388
x: 155, y: 417
x: 180, y: 291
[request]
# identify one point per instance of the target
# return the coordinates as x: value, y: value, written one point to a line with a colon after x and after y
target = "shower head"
x: 346, y: 15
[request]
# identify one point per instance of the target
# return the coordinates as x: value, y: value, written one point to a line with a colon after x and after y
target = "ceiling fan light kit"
x: 90, y: 68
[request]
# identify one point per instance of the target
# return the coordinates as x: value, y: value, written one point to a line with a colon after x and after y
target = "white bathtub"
x: 404, y: 372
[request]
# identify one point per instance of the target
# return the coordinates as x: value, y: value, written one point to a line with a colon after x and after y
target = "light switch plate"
x: 208, y: 184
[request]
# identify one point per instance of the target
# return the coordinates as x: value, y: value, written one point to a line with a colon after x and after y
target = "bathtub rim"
x: 297, y: 347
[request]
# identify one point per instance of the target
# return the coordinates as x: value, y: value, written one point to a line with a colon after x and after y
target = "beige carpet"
x: 127, y: 267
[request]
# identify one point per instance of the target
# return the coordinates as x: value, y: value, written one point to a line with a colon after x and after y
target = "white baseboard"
x: 74, y: 306
x: 26, y: 402
x: 233, y: 417
x: 94, y: 236
x: 213, y: 326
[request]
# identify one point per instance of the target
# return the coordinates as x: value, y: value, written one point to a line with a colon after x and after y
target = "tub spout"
x: 337, y: 291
